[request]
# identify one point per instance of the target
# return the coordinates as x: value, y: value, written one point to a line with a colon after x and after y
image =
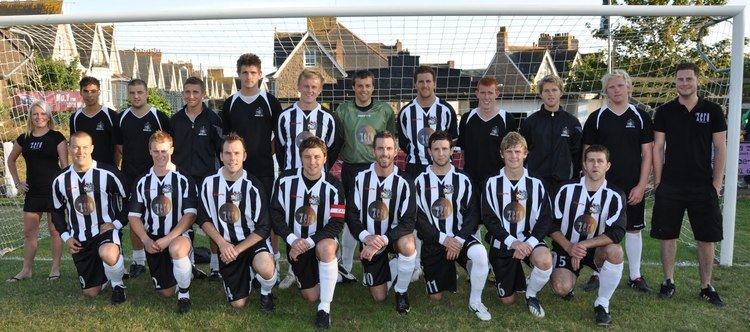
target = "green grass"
x: 37, y: 304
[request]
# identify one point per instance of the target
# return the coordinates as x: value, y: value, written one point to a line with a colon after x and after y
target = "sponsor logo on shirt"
x: 100, y: 126
x: 495, y: 131
x: 702, y: 117
x: 147, y: 126
x: 35, y: 145
x: 630, y: 124
x: 565, y: 132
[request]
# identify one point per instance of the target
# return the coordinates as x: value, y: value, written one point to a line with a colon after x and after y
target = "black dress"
x: 42, y: 164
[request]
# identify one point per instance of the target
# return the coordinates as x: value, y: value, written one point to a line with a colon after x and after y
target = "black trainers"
x: 535, y: 307
x: 214, y: 276
x: 345, y: 277
x: 592, y: 284
x: 640, y: 285
x: 667, y: 289
x: 570, y: 296
x: 402, y: 303
x: 602, y: 316
x: 709, y: 294
x: 198, y: 273
x: 323, y: 320
x: 266, y: 303
x: 118, y: 294
x: 136, y: 270
x: 183, y: 305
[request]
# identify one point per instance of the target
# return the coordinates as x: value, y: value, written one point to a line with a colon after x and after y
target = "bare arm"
x: 118, y: 156
x: 720, y: 158
x: 62, y: 154
x: 635, y: 195
x: 658, y: 156
x: 12, y: 167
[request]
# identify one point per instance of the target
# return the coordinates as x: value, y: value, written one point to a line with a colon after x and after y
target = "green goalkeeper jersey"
x: 359, y: 126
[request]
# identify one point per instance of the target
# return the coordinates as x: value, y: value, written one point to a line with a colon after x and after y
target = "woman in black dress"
x: 45, y: 153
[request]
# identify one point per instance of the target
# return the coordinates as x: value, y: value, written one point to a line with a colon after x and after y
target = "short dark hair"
x: 596, y: 148
x: 233, y: 137
x: 383, y: 134
x: 313, y: 142
x: 195, y: 81
x: 440, y: 136
x: 688, y: 66
x: 362, y: 74
x: 80, y: 134
x: 248, y: 59
x: 136, y: 82
x: 424, y: 70
x: 88, y: 80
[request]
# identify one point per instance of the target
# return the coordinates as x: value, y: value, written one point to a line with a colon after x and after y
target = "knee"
x: 544, y: 262
x: 91, y: 292
x: 180, y: 247
x: 379, y: 297
x: 109, y: 253
x: 326, y: 250
x: 167, y: 293
x: 614, y: 253
x: 508, y: 300
x: 407, y: 245
x: 310, y: 297
x: 560, y: 288
x: 264, y: 265
x: 436, y: 297
x: 239, y: 303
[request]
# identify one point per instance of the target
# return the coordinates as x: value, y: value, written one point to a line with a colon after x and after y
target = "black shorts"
x: 439, y: 272
x: 562, y: 260
x: 378, y: 271
x: 160, y: 266
x: 89, y: 265
x: 509, y: 275
x: 702, y: 205
x: 236, y: 275
x: 35, y: 203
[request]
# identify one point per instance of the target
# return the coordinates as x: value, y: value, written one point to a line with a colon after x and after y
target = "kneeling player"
x: 589, y: 224
x: 381, y: 216
x: 164, y: 201
x: 87, y: 214
x: 447, y: 216
x: 237, y: 208
x: 307, y: 207
x: 516, y: 211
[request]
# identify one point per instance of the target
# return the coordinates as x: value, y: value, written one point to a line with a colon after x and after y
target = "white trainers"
x: 416, y: 274
x: 481, y: 311
x: 287, y: 282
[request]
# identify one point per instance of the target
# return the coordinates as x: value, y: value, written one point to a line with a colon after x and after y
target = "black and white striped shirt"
x: 85, y: 202
x: 580, y: 215
x: 519, y: 211
x: 236, y: 208
x: 295, y: 126
x: 417, y: 124
x: 381, y: 206
x: 161, y: 202
x: 314, y: 213
x: 445, y: 207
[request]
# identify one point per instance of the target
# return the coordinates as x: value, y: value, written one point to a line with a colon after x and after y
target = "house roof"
x: 512, y: 79
x: 283, y: 45
x: 129, y: 62
x: 528, y: 61
x: 40, y: 37
x: 144, y: 62
x: 85, y: 37
x: 563, y: 60
x: 305, y: 38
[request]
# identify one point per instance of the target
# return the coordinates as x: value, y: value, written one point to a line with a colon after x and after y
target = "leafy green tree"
x: 55, y: 75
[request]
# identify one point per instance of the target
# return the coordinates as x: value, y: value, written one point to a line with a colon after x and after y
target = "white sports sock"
x: 183, y: 272
x: 609, y: 278
x: 537, y: 279
x: 114, y: 273
x: 478, y: 273
x: 418, y: 262
x: 192, y: 257
x: 328, y: 273
x: 139, y: 257
x: 214, y: 263
x: 266, y: 285
x: 634, y: 248
x: 348, y: 244
x: 405, y: 269
x: 393, y: 266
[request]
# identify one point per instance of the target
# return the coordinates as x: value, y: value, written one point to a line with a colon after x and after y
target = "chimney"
x: 451, y: 64
x: 320, y: 24
x: 502, y: 40
x: 399, y: 46
x: 545, y: 40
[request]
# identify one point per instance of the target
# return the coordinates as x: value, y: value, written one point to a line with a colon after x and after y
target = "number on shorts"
x: 432, y: 287
x: 368, y: 279
x: 156, y: 283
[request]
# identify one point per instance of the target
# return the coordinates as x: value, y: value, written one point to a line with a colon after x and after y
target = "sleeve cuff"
x: 363, y: 235
x: 509, y: 241
x: 65, y: 236
x: 442, y: 237
x: 385, y: 238
x: 460, y: 240
x: 291, y: 238
x: 118, y: 224
x: 134, y: 214
x: 193, y: 211
x: 311, y: 242
x: 532, y: 241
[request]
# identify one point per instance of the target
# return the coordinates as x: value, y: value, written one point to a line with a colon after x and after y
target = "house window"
x: 311, y: 57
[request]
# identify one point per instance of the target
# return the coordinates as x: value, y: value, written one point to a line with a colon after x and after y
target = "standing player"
x: 589, y: 224
x: 307, y: 207
x: 87, y: 197
x: 137, y: 124
x: 517, y: 214
x: 197, y: 142
x: 554, y: 138
x: 381, y: 216
x: 627, y: 132
x: 447, y: 216
x: 164, y: 201
x: 481, y: 130
x: 694, y: 129
x: 360, y: 119
x: 98, y: 121
x: 234, y: 214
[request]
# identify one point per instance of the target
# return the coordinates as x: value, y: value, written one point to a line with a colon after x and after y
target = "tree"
x: 157, y: 101
x: 55, y: 75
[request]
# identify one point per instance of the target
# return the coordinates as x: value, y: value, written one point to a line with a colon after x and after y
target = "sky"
x: 469, y: 41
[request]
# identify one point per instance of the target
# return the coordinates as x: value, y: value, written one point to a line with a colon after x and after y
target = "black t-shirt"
x: 480, y: 141
x: 42, y: 161
x: 623, y: 136
x: 102, y: 127
x: 133, y: 135
x: 689, y: 140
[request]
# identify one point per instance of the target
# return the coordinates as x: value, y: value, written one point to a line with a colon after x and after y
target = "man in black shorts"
x: 589, y: 223
x: 381, y: 216
x: 87, y: 198
x: 517, y: 214
x: 447, y: 216
x: 694, y: 129
x: 234, y: 215
x: 162, y: 209
x: 627, y: 132
x: 307, y: 207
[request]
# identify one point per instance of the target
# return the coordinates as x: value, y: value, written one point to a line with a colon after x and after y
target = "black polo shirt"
x: 196, y: 143
x: 480, y: 141
x: 102, y: 127
x: 689, y: 140
x: 623, y: 136
x: 554, y: 140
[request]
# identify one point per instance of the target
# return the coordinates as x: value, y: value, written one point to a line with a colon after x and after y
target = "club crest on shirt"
x: 229, y: 213
x: 235, y: 196
x: 565, y: 132
x: 88, y: 187
x: 630, y: 123
x: 258, y: 112
x: 448, y: 189
x: 203, y: 131
x: 441, y: 208
x: 365, y: 134
x: 495, y: 131
x: 314, y: 200
x: 84, y: 205
x: 431, y: 120
x: 521, y: 195
x: 100, y: 126
x: 305, y: 216
x: 166, y: 189
x: 594, y: 208
x: 585, y: 225
x: 385, y: 194
x: 377, y: 210
x: 514, y: 212
x: 147, y: 127
x: 312, y: 125
x: 161, y: 206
